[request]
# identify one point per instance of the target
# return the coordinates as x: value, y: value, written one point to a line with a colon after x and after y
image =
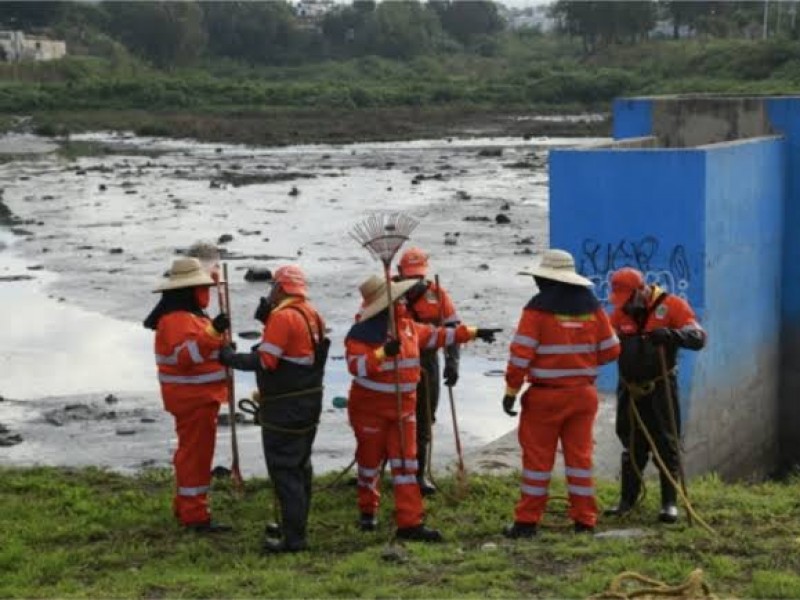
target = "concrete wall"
x: 704, y: 223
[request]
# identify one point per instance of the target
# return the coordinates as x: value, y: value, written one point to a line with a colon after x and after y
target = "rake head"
x: 382, y: 233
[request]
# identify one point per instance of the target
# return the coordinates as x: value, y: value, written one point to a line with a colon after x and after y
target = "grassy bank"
x: 91, y: 533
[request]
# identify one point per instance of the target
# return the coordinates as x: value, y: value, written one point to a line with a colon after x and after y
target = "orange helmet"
x: 292, y: 280
x: 623, y: 283
x: 413, y: 263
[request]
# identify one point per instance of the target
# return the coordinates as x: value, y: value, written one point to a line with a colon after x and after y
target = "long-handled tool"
x: 383, y: 234
x: 224, y: 300
x: 671, y: 409
x: 461, y: 473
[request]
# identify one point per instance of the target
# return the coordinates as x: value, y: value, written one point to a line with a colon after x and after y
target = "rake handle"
x: 394, y: 330
x: 224, y: 300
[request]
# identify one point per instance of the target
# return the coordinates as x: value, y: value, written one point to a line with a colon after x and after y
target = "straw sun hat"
x: 185, y: 273
x: 558, y: 265
x: 373, y: 292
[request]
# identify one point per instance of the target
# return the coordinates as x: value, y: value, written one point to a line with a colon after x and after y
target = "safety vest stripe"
x: 450, y: 337
x: 193, y: 491
x: 691, y: 326
x: 406, y: 363
x: 366, y: 484
x: 573, y: 472
x: 566, y: 348
x: 519, y: 362
x: 524, y: 340
x: 405, y: 479
x: 536, y: 475
x: 299, y: 360
x: 580, y: 490
x: 276, y: 351
x: 365, y: 472
x: 432, y: 340
x: 609, y: 343
x: 172, y: 359
x: 410, y: 463
x: 556, y: 373
x: 386, y: 388
x: 193, y: 379
x: 532, y: 490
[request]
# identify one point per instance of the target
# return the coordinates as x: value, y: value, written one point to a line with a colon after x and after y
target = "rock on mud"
x: 258, y: 274
x: 225, y: 238
x: 502, y: 219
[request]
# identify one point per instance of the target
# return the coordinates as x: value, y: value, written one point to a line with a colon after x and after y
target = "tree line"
x: 178, y: 33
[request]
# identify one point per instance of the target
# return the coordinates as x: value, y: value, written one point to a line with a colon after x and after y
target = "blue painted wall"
x: 633, y: 117
x: 706, y: 223
x: 632, y: 208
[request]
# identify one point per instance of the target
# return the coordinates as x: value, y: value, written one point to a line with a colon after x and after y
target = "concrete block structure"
x: 17, y: 46
x: 702, y: 194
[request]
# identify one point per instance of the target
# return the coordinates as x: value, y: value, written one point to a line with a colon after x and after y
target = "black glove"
x: 661, y: 336
x: 487, y: 335
x: 221, y: 323
x: 263, y: 309
x: 450, y: 373
x: 391, y: 348
x: 245, y: 361
x: 508, y: 405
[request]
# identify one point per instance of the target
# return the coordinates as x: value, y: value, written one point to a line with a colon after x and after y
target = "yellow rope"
x: 693, y: 587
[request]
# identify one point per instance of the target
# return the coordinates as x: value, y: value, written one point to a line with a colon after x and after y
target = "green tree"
x: 465, y: 21
x: 166, y: 33
x: 600, y: 23
x: 27, y: 15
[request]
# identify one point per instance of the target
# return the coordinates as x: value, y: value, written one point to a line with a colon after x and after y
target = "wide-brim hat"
x: 185, y: 273
x: 373, y: 292
x: 558, y: 265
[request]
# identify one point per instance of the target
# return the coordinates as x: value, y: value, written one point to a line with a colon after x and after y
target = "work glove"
x: 227, y: 354
x: 391, y: 348
x: 486, y: 335
x: 508, y: 405
x: 263, y: 310
x: 245, y: 361
x: 661, y: 336
x: 221, y: 323
x: 450, y: 373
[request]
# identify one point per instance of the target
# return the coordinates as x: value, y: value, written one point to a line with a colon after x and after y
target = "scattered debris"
x: 395, y: 554
x: 451, y: 239
x: 225, y: 238
x: 294, y: 191
x: 483, y: 267
x: 102, y: 187
x: 520, y: 164
x: 489, y: 547
x: 249, y: 231
x: 12, y: 278
x: 505, y: 206
x: 474, y: 219
x: 8, y: 439
x: 240, y: 179
x: 491, y: 152
x: 621, y: 534
x: 125, y: 431
x: 111, y: 399
x: 462, y: 195
x: 250, y: 335
x: 116, y: 251
x: 258, y: 274
x: 527, y: 241
x: 502, y: 219
x: 35, y: 267
x: 147, y: 420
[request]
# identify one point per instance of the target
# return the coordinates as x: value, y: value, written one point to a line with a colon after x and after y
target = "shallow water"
x: 73, y: 333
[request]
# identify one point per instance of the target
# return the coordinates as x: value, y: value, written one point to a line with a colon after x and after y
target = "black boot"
x: 273, y: 530
x: 519, y: 530
x: 669, y: 497
x: 367, y: 522
x: 419, y: 533
x: 208, y: 527
x: 583, y: 528
x: 271, y: 546
x: 426, y: 487
x: 629, y: 488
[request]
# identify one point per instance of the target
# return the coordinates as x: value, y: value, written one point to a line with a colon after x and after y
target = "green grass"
x: 91, y: 533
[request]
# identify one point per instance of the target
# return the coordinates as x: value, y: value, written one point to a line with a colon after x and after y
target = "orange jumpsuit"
x: 372, y: 408
x: 193, y: 385
x: 558, y: 355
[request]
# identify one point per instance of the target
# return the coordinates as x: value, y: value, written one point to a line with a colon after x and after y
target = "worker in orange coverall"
x: 371, y: 355
x: 562, y: 338
x: 193, y: 384
x: 428, y: 303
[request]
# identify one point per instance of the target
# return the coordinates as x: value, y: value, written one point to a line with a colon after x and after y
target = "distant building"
x: 313, y: 10
x: 532, y: 17
x: 17, y: 46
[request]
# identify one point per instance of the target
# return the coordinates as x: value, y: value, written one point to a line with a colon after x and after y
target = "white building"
x: 17, y: 46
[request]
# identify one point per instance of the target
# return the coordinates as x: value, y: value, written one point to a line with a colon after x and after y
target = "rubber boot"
x: 367, y: 522
x: 583, y: 528
x: 426, y: 488
x: 208, y: 527
x: 669, y: 497
x: 518, y: 530
x: 419, y: 533
x: 629, y: 488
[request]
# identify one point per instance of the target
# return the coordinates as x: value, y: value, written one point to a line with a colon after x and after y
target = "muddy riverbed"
x: 95, y: 226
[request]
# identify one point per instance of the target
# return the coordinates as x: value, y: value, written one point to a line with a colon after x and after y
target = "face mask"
x: 636, y: 305
x: 203, y: 296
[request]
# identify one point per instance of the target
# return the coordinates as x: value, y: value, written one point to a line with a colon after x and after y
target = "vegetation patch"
x: 89, y: 532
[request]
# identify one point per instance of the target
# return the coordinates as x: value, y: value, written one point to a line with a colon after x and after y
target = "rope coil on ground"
x: 693, y: 587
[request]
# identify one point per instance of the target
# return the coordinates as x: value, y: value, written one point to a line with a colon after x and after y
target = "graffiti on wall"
x: 666, y: 267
